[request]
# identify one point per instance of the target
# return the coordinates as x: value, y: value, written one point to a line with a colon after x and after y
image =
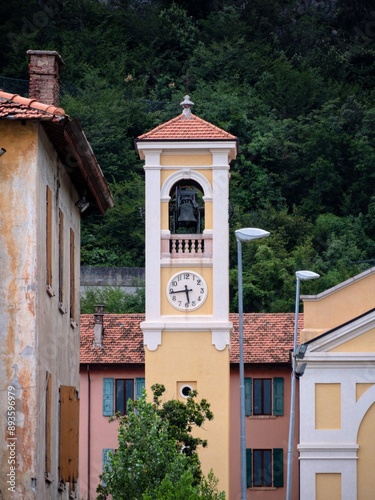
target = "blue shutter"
x: 278, y: 467
x: 278, y: 396
x: 248, y: 468
x: 248, y: 396
x: 139, y: 386
x: 108, y: 384
x: 105, y: 459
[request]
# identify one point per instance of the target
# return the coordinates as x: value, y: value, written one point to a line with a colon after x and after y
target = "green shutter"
x: 278, y: 396
x: 248, y: 396
x: 139, y: 386
x: 278, y: 467
x: 105, y: 458
x: 248, y: 468
x: 108, y: 384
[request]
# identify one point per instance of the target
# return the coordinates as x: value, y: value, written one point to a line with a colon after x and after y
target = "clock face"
x: 186, y: 291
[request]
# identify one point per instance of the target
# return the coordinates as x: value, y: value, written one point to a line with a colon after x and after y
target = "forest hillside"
x: 293, y: 80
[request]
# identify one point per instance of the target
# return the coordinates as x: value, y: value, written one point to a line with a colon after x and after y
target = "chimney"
x: 98, y: 326
x: 44, y: 73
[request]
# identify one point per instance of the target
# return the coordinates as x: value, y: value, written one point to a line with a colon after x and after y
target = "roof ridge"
x: 32, y: 103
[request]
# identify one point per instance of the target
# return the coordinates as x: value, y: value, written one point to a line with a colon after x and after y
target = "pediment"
x: 355, y: 336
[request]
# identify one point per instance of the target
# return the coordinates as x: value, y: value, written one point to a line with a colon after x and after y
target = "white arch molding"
x: 186, y: 174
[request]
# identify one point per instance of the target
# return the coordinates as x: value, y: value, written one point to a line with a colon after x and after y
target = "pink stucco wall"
x: 261, y: 432
x: 96, y: 432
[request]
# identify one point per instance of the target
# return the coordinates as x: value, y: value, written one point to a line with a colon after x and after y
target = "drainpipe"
x: 88, y: 431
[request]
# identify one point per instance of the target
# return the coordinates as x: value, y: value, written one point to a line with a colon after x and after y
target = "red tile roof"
x: 268, y: 338
x: 15, y: 107
x: 122, y: 339
x: 186, y: 128
x: 69, y: 141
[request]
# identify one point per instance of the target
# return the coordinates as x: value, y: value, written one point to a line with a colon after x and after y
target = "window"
x: 48, y: 417
x: 116, y: 393
x: 264, y: 468
x: 61, y: 257
x: 72, y: 277
x: 264, y: 396
x: 124, y: 392
x: 107, y: 452
x: 49, y: 238
x: 68, y: 436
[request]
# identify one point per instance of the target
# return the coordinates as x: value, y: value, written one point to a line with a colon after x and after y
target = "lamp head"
x: 82, y: 204
x: 250, y: 233
x: 300, y: 370
x: 307, y: 275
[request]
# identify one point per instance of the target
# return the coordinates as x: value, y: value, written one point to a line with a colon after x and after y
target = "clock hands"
x: 186, y: 290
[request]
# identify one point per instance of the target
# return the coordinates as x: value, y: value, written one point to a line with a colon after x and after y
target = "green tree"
x: 156, y: 456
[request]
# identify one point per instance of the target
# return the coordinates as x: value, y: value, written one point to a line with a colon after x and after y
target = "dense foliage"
x: 292, y: 79
x: 156, y: 455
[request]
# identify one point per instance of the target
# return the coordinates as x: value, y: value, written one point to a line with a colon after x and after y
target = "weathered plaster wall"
x: 18, y: 290
x: 35, y: 337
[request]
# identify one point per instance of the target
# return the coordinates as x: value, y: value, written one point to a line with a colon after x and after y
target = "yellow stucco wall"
x: 361, y: 389
x: 327, y: 406
x: 337, y: 307
x: 366, y: 456
x: 190, y: 357
x: 362, y: 343
x: 328, y: 486
x: 167, y: 273
x: 189, y: 160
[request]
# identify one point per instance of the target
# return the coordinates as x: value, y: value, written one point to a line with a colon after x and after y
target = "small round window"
x: 185, y: 391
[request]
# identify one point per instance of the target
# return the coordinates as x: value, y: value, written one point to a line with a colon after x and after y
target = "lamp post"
x: 300, y: 276
x: 243, y: 235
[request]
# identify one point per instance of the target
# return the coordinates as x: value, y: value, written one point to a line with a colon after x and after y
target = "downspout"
x: 88, y: 431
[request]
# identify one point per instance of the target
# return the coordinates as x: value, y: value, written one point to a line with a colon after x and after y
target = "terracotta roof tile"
x: 268, y: 338
x: 186, y: 128
x: 15, y: 107
x: 122, y: 339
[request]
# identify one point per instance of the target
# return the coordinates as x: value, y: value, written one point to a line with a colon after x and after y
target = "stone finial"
x: 186, y: 104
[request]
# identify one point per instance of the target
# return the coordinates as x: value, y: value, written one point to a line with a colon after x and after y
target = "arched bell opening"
x: 186, y: 208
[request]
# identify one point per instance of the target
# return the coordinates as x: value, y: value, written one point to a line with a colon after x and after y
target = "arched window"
x: 186, y: 208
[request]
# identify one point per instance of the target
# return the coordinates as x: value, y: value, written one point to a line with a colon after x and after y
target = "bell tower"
x: 186, y: 329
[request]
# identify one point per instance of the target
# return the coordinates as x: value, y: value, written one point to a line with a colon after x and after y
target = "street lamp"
x: 300, y: 276
x: 243, y: 235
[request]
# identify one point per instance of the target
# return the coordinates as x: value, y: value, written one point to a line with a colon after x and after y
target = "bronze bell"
x: 187, y: 212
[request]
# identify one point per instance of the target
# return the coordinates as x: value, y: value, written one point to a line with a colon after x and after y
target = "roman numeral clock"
x: 186, y: 330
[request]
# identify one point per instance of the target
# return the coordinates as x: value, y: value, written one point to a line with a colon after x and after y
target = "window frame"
x: 275, y: 465
x: 276, y: 397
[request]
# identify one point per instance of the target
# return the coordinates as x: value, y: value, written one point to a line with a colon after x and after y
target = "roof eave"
x: 143, y: 145
x: 88, y: 165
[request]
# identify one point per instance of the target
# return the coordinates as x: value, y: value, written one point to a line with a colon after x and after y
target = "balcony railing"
x: 192, y: 246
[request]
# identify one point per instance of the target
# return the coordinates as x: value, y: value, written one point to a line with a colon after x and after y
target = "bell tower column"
x: 186, y: 329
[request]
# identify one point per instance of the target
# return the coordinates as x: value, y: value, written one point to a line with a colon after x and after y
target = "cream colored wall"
x: 167, y: 273
x: 327, y: 406
x: 361, y: 389
x: 328, y: 487
x: 337, y: 307
x: 363, y: 343
x: 189, y: 356
x: 186, y: 159
x: 366, y: 456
